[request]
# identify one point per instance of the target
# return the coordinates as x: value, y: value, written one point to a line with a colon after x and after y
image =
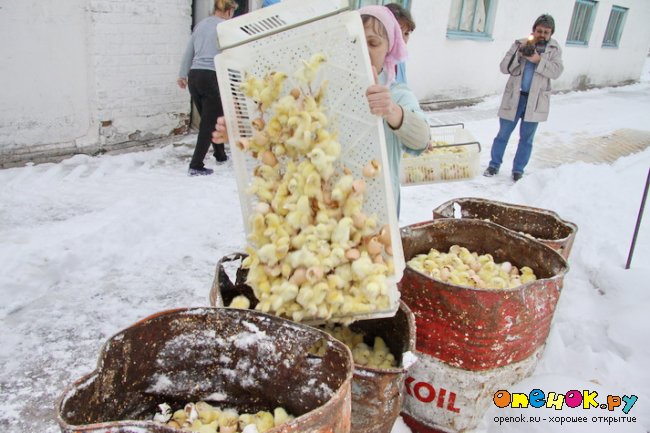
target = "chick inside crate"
x: 453, y: 154
x: 310, y: 163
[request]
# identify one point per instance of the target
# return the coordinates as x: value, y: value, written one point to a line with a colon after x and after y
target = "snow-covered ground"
x: 89, y: 246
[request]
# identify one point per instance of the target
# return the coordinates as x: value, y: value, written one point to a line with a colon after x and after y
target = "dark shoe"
x: 490, y: 171
x: 200, y: 171
x: 516, y: 176
x: 220, y: 153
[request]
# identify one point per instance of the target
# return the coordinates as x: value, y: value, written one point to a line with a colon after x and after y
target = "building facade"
x: 456, y: 48
x: 88, y: 76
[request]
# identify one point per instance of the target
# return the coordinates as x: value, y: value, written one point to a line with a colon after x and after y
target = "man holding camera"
x: 531, y: 64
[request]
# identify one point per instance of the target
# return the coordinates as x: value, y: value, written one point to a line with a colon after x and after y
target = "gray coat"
x: 549, y: 67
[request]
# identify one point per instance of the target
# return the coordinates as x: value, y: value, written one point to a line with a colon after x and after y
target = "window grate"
x: 614, y: 26
x: 469, y: 18
x: 581, y: 22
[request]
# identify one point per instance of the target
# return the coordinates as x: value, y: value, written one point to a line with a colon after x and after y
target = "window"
x: 614, y: 26
x: 584, y: 12
x: 406, y: 4
x: 469, y: 18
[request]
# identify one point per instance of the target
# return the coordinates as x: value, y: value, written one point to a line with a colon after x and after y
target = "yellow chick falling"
x: 306, y: 73
x: 312, y: 250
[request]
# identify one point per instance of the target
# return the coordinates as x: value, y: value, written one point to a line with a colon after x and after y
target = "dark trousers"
x: 204, y: 89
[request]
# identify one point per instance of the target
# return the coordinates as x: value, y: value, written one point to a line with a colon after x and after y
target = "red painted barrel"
x: 376, y: 392
x: 544, y: 225
x: 239, y: 359
x: 470, y: 340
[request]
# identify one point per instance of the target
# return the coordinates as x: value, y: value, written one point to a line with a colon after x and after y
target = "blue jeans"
x: 526, y: 135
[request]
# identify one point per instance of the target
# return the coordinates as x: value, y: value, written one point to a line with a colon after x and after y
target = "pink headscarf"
x: 396, y: 45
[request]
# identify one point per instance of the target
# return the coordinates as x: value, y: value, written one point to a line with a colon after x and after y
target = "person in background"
x: 198, y: 73
x: 407, y: 25
x: 405, y: 126
x: 531, y: 64
x: 266, y: 3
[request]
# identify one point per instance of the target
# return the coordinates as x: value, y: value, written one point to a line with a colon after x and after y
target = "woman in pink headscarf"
x: 405, y: 126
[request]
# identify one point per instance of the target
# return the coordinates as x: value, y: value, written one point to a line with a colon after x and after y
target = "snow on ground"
x: 89, y: 246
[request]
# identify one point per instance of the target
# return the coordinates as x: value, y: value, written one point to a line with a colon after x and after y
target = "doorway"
x: 202, y: 9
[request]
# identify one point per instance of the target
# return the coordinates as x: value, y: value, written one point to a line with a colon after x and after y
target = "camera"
x: 527, y: 50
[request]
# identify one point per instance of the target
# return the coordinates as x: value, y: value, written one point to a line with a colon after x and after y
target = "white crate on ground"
x: 453, y: 154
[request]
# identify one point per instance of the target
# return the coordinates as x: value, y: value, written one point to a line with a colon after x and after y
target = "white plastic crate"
x: 279, y: 38
x: 452, y: 155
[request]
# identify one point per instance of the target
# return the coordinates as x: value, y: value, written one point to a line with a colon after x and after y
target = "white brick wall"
x: 136, y: 50
x: 89, y: 74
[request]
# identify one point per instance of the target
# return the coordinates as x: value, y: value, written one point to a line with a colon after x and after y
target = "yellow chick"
x: 362, y: 267
x: 246, y: 419
x: 342, y: 188
x: 301, y: 216
x: 275, y: 81
x: 306, y: 73
x: 180, y: 416
x: 527, y: 275
x: 264, y: 421
x: 280, y: 416
x: 324, y: 163
x: 241, y: 302
x: 342, y: 232
x: 252, y: 86
x: 228, y: 417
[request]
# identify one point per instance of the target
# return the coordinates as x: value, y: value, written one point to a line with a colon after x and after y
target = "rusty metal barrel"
x: 239, y: 359
x: 472, y: 342
x: 544, y: 225
x: 376, y: 392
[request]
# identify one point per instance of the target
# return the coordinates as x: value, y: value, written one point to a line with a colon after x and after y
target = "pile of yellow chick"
x: 313, y: 252
x: 464, y: 268
x: 202, y: 417
x: 377, y: 356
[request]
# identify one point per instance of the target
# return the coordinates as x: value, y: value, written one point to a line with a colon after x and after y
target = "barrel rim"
x: 507, y: 232
x: 573, y: 228
x: 340, y: 393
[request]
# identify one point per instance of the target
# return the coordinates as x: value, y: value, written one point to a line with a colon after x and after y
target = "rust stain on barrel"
x: 544, y: 225
x: 481, y: 329
x: 188, y: 355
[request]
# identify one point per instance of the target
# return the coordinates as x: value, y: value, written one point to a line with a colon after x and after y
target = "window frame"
x: 618, y: 30
x: 406, y: 4
x: 585, y: 27
x: 486, y: 34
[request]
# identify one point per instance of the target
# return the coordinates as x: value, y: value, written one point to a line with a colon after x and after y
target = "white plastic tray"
x: 456, y: 158
x: 286, y: 34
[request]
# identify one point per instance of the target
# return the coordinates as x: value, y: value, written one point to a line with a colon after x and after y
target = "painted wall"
x: 440, y: 68
x: 45, y: 74
x: 89, y: 75
x: 94, y: 75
